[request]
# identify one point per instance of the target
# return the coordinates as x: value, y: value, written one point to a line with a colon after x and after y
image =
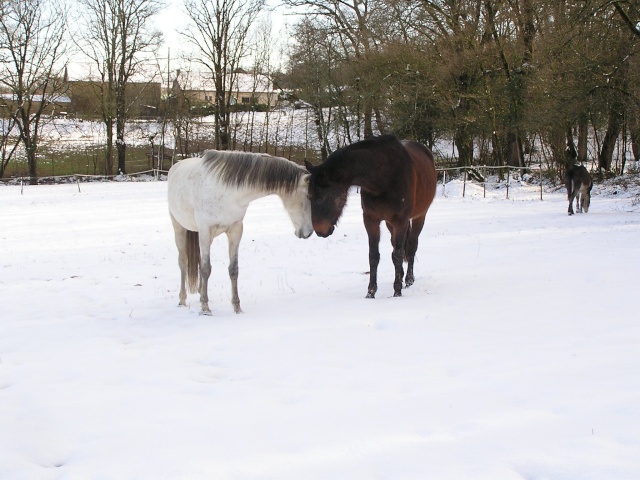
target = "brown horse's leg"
x: 398, y: 240
x: 411, y: 247
x: 372, y: 225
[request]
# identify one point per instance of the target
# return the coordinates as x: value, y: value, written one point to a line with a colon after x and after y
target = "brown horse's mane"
x: 363, y: 156
x: 366, y: 144
x: 254, y: 170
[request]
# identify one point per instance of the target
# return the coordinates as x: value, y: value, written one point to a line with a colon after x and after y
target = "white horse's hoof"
x: 205, y: 312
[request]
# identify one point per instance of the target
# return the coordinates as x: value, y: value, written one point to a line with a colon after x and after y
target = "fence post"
x: 464, y: 185
x: 484, y: 183
x: 508, y: 177
x: 444, y: 180
x: 540, y: 180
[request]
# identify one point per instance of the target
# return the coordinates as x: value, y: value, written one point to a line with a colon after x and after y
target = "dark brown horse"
x: 579, y: 185
x: 397, y: 181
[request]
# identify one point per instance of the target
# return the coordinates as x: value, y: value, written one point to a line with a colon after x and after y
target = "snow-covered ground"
x: 516, y: 354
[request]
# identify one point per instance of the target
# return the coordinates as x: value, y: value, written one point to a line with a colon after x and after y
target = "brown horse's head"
x: 328, y: 199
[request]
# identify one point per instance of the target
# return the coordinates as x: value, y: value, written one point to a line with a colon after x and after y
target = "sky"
x: 172, y: 19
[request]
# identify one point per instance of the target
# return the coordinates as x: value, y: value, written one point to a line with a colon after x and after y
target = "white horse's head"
x: 298, y: 206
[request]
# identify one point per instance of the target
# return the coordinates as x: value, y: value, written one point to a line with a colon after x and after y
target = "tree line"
x: 500, y: 78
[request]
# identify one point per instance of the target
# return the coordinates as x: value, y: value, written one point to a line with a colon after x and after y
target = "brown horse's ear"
x: 309, y: 166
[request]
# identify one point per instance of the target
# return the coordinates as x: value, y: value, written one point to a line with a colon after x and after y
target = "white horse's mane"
x: 254, y: 170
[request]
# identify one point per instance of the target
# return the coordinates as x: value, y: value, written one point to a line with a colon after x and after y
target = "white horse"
x: 209, y: 195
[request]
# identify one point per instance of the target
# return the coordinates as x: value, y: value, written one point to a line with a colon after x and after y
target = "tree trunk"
x: 368, y: 123
x: 605, y: 158
x: 30, y: 145
x: 221, y: 113
x: 464, y: 144
x: 571, y: 152
x: 515, y: 156
x: 380, y: 123
x: 463, y: 139
x: 634, y: 134
x: 33, y: 164
x: 121, y: 145
x: 583, y: 140
x: 108, y: 166
x: 121, y: 119
x: 557, y: 142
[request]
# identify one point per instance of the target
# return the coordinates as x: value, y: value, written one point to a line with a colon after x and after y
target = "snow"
x: 514, y: 355
x: 281, y: 126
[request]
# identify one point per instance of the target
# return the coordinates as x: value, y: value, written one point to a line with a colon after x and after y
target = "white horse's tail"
x: 193, y: 261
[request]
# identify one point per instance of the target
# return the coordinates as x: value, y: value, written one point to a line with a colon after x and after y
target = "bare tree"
x: 314, y: 72
x: 354, y: 25
x: 31, y: 52
x: 626, y: 13
x: 7, y: 144
x: 179, y: 109
x: 221, y: 37
x: 117, y: 37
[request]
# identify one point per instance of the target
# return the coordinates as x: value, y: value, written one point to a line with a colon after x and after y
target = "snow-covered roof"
x: 242, y: 82
x: 38, y: 98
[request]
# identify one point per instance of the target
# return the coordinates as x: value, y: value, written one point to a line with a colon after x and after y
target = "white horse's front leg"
x: 234, y: 235
x: 205, y: 271
x: 181, y: 243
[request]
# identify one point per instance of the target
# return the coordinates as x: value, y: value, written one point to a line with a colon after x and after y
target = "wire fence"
x: 479, y: 175
x: 78, y: 179
x: 476, y: 175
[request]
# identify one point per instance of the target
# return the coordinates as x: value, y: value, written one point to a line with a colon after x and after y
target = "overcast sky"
x: 169, y: 22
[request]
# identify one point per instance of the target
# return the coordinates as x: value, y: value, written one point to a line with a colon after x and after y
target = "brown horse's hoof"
x: 397, y: 294
x: 371, y: 295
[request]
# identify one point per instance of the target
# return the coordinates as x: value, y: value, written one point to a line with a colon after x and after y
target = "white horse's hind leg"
x: 181, y: 243
x: 205, y: 271
x: 234, y: 235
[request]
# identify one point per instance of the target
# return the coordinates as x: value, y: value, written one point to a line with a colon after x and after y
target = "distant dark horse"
x: 397, y: 181
x: 579, y: 184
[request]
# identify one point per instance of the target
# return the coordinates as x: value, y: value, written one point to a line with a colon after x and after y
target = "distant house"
x: 54, y: 104
x: 143, y: 98
x: 247, y: 89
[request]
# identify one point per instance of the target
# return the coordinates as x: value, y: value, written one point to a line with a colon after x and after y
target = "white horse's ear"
x: 307, y: 179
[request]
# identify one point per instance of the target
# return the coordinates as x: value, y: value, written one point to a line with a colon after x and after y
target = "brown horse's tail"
x: 193, y: 261
x: 406, y: 243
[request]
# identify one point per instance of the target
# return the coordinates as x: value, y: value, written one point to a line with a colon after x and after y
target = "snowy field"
x: 516, y: 354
